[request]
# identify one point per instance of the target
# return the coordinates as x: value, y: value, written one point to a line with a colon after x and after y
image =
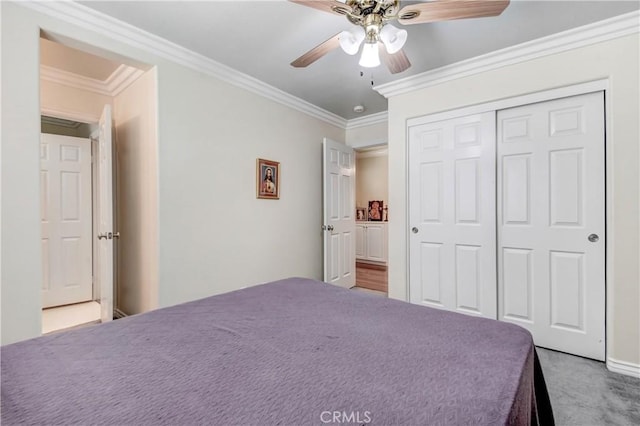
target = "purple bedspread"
x: 291, y: 352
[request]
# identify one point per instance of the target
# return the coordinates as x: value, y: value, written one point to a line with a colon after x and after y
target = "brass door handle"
x: 108, y: 236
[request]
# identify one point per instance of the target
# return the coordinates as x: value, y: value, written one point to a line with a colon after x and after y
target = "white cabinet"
x: 371, y: 241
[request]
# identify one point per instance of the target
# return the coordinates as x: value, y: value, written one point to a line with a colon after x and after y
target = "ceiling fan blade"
x: 330, y: 6
x: 397, y: 62
x: 317, y: 52
x: 446, y: 10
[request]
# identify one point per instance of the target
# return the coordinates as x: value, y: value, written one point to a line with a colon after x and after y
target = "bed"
x: 290, y: 352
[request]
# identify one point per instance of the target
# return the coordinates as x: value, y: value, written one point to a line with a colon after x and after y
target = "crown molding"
x: 574, y: 38
x: 100, y: 23
x: 367, y: 120
x: 119, y: 80
x: 70, y: 79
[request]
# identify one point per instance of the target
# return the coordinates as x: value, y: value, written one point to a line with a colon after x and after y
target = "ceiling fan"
x: 381, y: 39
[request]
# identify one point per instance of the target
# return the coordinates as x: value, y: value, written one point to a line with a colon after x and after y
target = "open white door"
x: 339, y: 206
x: 104, y: 273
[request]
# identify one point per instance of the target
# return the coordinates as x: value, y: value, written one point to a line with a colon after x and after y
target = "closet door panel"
x: 452, y: 214
x: 550, y: 210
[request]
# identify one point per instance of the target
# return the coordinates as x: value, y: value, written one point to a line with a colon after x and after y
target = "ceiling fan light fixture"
x: 370, y: 57
x: 350, y: 40
x: 393, y: 38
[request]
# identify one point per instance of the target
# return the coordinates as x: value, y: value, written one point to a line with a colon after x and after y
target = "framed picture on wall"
x: 361, y: 213
x: 267, y: 179
x: 375, y: 210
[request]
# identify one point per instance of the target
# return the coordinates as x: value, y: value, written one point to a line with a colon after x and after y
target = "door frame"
x: 89, y: 119
x: 542, y: 96
x: 361, y: 146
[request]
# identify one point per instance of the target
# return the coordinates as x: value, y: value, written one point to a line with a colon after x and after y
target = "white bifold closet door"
x: 551, y: 216
x: 452, y: 214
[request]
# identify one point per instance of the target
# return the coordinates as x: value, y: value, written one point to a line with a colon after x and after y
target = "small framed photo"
x: 361, y: 213
x: 267, y: 179
x: 375, y: 210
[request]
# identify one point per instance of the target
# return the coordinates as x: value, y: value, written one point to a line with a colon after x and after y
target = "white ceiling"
x: 261, y: 38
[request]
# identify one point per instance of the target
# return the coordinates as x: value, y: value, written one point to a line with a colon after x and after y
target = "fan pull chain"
x: 372, y: 82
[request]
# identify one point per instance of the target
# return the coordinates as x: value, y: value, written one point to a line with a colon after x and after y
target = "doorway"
x: 66, y: 219
x: 372, y: 215
x: 76, y: 205
x: 93, y: 97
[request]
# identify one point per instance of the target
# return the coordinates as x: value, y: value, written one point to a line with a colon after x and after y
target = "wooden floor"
x: 372, y: 277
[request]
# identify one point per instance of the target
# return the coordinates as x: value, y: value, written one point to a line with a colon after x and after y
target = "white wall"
x: 214, y: 235
x: 616, y: 60
x: 136, y: 147
x: 366, y: 136
x: 372, y: 178
x: 20, y: 129
x: 218, y: 235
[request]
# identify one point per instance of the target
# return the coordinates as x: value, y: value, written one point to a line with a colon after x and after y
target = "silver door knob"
x: 103, y: 236
x: 414, y: 230
x: 330, y: 228
x: 593, y: 238
x: 116, y: 235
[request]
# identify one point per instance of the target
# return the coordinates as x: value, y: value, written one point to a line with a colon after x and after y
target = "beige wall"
x: 372, y: 180
x: 214, y: 235
x: 616, y: 60
x: 136, y: 147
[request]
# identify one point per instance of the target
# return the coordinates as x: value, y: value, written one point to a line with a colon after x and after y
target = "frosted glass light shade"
x: 350, y: 40
x: 370, y: 57
x: 393, y: 38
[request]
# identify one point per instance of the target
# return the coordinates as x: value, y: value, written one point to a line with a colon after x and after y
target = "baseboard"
x: 623, y: 367
x: 117, y: 314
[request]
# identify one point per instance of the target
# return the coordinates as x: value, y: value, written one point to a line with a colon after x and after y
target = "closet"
x: 507, y: 218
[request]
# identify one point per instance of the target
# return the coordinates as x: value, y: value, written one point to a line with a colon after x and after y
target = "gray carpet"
x: 583, y: 392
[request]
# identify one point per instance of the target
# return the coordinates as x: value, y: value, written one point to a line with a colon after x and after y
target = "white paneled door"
x: 551, y: 215
x: 452, y: 214
x: 65, y: 203
x: 339, y: 223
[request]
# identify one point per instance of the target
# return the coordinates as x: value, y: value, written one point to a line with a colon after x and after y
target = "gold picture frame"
x: 267, y: 179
